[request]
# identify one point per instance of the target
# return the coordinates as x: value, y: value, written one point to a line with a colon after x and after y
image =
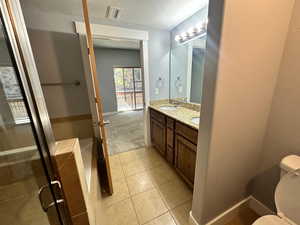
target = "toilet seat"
x: 270, y: 220
x: 287, y: 199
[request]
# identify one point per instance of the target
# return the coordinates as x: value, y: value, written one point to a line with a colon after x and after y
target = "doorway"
x: 129, y: 88
x: 120, y: 81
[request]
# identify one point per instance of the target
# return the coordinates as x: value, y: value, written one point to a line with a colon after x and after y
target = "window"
x: 10, y: 89
x: 129, y: 88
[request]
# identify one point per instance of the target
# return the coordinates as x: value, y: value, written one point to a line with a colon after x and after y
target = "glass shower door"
x: 27, y: 196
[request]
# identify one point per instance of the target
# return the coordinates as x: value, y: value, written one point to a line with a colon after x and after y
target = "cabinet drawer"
x: 158, y: 116
x: 170, y: 155
x: 170, y: 123
x: 187, y: 132
x: 170, y: 137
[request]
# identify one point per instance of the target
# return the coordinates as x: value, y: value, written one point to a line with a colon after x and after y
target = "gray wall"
x: 282, y: 135
x: 197, y: 75
x: 58, y: 59
x: 106, y: 60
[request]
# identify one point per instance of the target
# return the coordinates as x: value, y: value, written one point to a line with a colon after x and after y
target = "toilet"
x: 287, y: 195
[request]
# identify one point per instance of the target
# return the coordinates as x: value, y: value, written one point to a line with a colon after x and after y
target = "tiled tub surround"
x: 146, y: 191
x: 181, y: 114
x: 71, y: 173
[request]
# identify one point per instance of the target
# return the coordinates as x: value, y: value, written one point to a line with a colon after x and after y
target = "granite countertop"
x: 181, y: 114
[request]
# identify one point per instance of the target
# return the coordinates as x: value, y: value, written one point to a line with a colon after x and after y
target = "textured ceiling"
x: 160, y: 14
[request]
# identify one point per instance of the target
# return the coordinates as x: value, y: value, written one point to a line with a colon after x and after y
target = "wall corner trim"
x: 230, y: 213
x: 192, y: 220
x: 259, y: 207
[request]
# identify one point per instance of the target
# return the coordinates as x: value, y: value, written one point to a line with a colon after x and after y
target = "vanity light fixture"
x: 193, y: 32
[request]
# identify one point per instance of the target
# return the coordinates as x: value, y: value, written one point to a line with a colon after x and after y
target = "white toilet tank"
x: 289, y: 163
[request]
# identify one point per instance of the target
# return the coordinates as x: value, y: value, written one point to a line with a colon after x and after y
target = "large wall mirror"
x: 186, y: 75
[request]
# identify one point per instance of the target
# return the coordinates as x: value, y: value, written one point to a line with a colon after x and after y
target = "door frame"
x: 106, y: 31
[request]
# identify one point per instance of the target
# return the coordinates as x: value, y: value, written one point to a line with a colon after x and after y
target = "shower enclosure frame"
x: 19, y: 48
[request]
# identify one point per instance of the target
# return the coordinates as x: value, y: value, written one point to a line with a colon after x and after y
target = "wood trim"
x: 96, y: 87
x: 71, y: 118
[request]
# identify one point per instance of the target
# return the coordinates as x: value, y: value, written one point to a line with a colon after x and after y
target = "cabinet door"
x: 158, y: 136
x: 185, y: 159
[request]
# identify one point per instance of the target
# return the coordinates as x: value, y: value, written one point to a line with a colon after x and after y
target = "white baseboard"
x: 224, y: 217
x: 259, y: 207
x: 192, y: 220
x: 232, y: 212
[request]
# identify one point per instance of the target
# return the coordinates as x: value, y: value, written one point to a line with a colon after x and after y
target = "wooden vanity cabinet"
x: 177, y: 143
x: 158, y: 131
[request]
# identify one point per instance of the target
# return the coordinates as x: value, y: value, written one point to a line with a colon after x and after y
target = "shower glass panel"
x: 22, y: 170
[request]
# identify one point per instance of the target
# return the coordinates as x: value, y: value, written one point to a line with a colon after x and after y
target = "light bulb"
x: 191, y: 31
x: 177, y: 38
x: 184, y: 36
x: 199, y: 27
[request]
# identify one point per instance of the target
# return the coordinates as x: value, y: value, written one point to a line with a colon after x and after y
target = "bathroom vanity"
x: 174, y: 136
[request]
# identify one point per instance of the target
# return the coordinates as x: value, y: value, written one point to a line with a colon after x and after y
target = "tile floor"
x: 146, y: 191
x: 125, y: 131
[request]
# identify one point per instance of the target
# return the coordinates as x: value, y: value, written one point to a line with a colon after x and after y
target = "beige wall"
x: 252, y: 43
x: 282, y: 134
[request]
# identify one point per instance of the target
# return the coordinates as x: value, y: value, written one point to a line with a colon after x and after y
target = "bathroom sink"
x: 168, y: 107
x: 196, y: 120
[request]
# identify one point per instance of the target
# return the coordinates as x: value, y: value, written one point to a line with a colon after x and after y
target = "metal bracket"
x: 105, y: 122
x: 40, y: 193
x: 59, y: 201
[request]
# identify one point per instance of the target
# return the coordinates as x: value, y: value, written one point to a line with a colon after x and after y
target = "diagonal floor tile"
x: 121, y: 213
x: 165, y: 219
x: 133, y: 168
x: 117, y: 173
x: 139, y: 183
x: 181, y: 213
x: 175, y: 193
x: 148, y: 205
x: 120, y: 193
x: 162, y: 174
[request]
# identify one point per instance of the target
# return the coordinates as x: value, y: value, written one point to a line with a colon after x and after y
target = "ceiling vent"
x: 112, y: 13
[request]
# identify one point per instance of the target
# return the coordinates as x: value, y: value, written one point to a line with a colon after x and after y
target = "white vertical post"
x: 145, y: 69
